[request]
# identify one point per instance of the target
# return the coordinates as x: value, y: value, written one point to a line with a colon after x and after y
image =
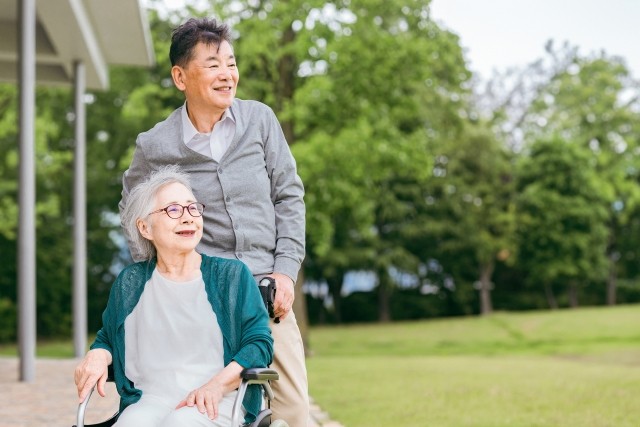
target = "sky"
x: 497, y: 34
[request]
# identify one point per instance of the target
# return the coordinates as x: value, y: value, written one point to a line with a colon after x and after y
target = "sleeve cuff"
x: 288, y: 267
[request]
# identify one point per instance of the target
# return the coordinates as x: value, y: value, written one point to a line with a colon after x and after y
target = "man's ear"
x: 177, y: 74
x: 144, y: 228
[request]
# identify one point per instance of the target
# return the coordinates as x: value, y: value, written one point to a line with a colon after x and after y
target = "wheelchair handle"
x: 267, y: 288
x: 82, y: 407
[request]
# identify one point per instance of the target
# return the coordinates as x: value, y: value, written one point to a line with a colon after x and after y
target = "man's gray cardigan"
x: 254, y: 197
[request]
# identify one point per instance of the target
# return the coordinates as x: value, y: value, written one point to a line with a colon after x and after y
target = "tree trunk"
x: 613, y: 255
x: 551, y: 298
x: 335, y: 289
x: 284, y: 91
x: 573, y: 294
x: 612, y: 280
x: 486, y: 271
x: 285, y: 86
x: 300, y: 310
x: 384, y: 295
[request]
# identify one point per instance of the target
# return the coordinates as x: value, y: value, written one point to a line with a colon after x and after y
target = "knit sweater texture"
x: 255, y: 210
x: 234, y: 297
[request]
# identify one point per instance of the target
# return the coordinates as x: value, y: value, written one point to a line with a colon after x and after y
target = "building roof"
x: 97, y: 32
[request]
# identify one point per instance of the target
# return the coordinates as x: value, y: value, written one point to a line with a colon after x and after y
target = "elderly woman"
x: 180, y: 327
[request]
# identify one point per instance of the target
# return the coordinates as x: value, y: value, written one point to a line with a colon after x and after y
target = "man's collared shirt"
x: 214, y: 144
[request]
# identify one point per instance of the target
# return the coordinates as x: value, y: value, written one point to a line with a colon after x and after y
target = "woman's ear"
x: 144, y: 228
x: 177, y: 74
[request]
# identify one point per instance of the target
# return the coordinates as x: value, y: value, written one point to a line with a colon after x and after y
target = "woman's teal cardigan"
x: 234, y: 297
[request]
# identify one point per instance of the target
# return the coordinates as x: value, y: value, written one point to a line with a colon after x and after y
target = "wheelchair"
x: 260, y: 376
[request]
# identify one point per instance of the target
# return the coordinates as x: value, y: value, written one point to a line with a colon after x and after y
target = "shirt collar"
x: 189, y: 130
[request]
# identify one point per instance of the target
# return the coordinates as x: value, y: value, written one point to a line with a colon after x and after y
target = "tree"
x: 358, y: 203
x: 507, y: 97
x: 470, y: 209
x: 379, y: 115
x: 594, y: 103
x: 53, y: 157
x: 590, y: 100
x: 9, y: 163
x: 8, y: 210
x: 562, y: 217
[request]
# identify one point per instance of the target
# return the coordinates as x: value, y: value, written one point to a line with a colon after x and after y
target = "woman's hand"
x: 208, y: 397
x: 284, y: 295
x: 205, y: 398
x: 91, y: 370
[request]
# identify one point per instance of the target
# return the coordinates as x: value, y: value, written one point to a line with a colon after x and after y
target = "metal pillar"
x: 27, y: 193
x: 80, y: 218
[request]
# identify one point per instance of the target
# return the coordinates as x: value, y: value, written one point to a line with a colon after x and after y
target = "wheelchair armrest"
x: 249, y: 376
x: 82, y: 407
x: 259, y: 374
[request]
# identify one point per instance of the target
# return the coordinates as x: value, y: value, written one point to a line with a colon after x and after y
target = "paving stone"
x: 52, y: 400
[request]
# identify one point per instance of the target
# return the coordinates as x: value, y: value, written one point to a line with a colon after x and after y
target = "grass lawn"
x: 560, y: 368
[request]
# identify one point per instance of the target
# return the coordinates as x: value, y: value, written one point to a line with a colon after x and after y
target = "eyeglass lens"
x: 176, y: 211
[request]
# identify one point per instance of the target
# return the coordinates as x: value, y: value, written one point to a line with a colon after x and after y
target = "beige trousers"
x: 291, y: 402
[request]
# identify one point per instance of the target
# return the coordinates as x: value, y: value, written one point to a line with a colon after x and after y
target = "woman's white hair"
x: 141, y: 201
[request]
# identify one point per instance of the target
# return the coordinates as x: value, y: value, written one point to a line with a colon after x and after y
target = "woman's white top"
x: 173, y: 343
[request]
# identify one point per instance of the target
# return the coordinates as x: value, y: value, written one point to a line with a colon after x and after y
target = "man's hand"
x: 91, y: 370
x: 284, y: 295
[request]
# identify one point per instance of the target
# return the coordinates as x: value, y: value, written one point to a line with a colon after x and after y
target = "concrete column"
x: 80, y: 217
x: 27, y: 193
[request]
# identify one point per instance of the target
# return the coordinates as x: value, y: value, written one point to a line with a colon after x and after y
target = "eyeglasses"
x: 176, y: 211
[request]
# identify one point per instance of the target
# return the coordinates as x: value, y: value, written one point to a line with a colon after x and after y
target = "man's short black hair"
x: 196, y: 30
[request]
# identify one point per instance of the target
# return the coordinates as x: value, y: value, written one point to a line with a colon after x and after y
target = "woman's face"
x: 172, y: 236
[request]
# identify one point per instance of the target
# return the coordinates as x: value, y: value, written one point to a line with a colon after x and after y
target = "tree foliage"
x: 447, y: 196
x: 468, y: 209
x: 563, y: 216
x: 593, y: 102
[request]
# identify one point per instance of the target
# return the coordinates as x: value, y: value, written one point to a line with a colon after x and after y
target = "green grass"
x: 561, y: 368
x: 58, y: 349
x: 536, y: 369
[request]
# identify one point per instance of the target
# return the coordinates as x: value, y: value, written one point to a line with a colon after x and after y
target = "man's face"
x: 210, y: 79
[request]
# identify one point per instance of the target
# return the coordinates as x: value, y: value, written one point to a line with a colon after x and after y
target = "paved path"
x: 51, y: 400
